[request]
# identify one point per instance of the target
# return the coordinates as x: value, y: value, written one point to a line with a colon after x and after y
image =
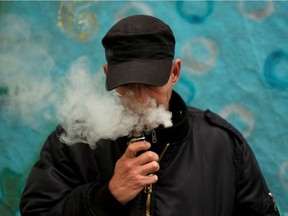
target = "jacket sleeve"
x: 55, y: 188
x: 252, y: 198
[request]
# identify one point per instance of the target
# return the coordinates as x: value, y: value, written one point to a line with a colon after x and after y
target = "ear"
x: 105, y: 69
x: 175, y: 73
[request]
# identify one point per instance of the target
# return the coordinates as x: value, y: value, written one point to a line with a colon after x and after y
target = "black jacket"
x: 207, y: 170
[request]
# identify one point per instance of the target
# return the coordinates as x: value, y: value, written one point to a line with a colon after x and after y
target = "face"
x: 142, y: 94
x: 162, y: 94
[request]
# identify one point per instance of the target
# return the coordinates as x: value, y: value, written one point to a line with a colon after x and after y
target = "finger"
x: 146, y: 157
x: 149, y: 168
x: 150, y: 179
x: 135, y: 147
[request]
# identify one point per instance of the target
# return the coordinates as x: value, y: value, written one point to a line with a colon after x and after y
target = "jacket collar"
x: 180, y: 121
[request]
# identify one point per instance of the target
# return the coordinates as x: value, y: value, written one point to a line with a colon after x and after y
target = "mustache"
x: 149, y: 116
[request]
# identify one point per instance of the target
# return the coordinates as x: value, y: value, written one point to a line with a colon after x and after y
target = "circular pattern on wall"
x: 283, y: 174
x: 254, y: 9
x: 132, y: 8
x: 245, y: 116
x: 199, y: 55
x: 76, y: 21
x: 275, y: 70
x: 195, y: 12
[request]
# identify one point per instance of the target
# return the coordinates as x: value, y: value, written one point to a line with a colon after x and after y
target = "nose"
x: 139, y: 93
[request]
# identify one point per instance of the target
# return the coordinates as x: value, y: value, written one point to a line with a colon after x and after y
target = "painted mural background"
x: 234, y: 62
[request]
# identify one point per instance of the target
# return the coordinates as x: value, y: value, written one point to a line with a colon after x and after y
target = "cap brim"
x: 150, y: 72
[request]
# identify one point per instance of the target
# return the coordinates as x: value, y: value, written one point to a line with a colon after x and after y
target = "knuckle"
x: 129, y: 166
x: 154, y: 166
x: 131, y: 148
x: 155, y: 178
x: 152, y: 156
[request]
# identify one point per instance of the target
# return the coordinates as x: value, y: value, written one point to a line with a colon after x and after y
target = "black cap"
x: 139, y: 49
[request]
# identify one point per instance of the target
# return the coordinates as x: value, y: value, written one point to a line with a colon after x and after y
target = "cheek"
x: 163, y: 97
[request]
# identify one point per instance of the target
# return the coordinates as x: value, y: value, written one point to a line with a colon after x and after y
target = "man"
x: 200, y: 165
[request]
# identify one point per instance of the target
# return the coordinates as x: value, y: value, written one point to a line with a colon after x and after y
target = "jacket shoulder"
x: 215, y: 120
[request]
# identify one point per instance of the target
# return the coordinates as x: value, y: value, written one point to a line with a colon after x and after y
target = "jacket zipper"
x: 149, y: 188
x: 273, y: 201
x: 148, y: 191
x: 154, y: 137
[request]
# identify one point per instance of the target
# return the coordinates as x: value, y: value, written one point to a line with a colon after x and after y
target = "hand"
x: 130, y: 173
